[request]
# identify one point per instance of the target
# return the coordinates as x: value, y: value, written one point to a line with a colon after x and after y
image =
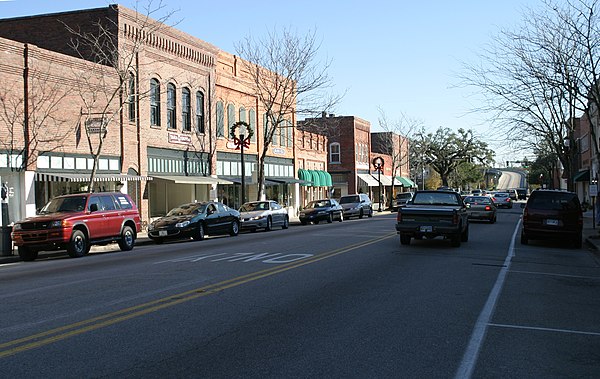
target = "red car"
x: 75, y: 222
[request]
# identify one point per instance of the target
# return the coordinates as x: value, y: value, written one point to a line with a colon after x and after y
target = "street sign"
x: 593, y: 190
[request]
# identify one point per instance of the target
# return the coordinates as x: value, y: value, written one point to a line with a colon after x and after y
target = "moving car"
x: 522, y: 193
x: 480, y: 208
x: 76, y: 222
x: 321, y: 210
x: 401, y: 199
x: 263, y: 215
x: 356, y: 205
x: 195, y: 220
x: 431, y: 214
x: 512, y: 192
x: 552, y: 214
x: 502, y: 200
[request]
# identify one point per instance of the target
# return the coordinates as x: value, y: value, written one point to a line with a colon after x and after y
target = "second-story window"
x: 131, y: 97
x: 334, y: 153
x: 252, y: 122
x: 186, y: 110
x: 220, y: 119
x: 154, y: 102
x: 199, y: 112
x: 230, y: 116
x: 171, y: 110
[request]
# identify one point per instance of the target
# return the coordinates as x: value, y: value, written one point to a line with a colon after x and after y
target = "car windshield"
x: 501, y: 194
x: 478, y: 200
x: 435, y: 198
x: 250, y: 207
x: 65, y: 204
x: 187, y: 209
x: 349, y: 199
x: 554, y: 201
x: 318, y: 204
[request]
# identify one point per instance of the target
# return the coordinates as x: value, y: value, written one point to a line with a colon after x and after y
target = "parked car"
x: 263, y: 215
x: 480, y: 208
x: 195, y: 220
x: 502, y: 200
x: 479, y: 192
x: 401, y: 199
x: 321, y: 210
x: 552, y: 214
x: 76, y: 222
x: 356, y: 205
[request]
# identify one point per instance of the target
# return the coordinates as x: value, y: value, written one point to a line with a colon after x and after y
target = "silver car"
x: 357, y: 205
x: 263, y: 215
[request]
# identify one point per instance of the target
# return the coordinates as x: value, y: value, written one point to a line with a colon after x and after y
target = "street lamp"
x: 378, y: 164
x: 241, y: 140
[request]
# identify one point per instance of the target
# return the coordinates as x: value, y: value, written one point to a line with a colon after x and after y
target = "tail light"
x: 525, y: 214
x: 508, y: 199
x: 399, y: 217
x: 488, y: 208
x: 455, y: 218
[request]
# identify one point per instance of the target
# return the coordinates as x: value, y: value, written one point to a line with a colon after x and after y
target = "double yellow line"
x: 57, y: 334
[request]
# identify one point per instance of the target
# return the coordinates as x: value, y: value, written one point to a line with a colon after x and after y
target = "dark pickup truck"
x: 430, y: 214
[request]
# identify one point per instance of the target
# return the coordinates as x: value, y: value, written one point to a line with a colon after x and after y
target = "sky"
x: 403, y: 57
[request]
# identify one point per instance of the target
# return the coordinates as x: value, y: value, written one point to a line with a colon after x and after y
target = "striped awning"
x: 65, y: 177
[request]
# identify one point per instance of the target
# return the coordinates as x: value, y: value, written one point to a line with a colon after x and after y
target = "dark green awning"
x: 582, y: 176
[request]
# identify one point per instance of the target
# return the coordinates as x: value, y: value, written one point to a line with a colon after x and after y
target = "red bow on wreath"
x: 238, y: 142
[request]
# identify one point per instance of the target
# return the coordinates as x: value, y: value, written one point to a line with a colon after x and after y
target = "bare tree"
x: 35, y: 121
x: 112, y: 84
x: 394, y: 142
x: 539, y: 78
x: 287, y: 80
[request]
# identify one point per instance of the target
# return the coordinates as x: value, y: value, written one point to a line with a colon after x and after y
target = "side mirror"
x: 94, y: 208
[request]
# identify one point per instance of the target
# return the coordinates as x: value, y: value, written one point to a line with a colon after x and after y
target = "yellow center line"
x: 74, y: 329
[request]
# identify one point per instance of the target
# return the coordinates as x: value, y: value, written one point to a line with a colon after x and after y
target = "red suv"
x: 552, y: 214
x: 75, y: 222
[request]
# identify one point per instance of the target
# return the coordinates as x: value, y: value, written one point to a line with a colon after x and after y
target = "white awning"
x: 385, y: 180
x: 66, y: 177
x: 369, y: 179
x: 180, y: 179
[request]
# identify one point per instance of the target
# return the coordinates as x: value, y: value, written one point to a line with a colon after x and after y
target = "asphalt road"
x: 328, y: 300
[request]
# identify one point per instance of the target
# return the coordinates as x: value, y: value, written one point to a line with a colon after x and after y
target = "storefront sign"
x: 95, y: 125
x: 181, y: 139
x: 279, y: 151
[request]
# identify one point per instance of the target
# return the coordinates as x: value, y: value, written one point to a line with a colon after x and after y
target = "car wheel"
x: 79, y: 245
x: 27, y: 254
x: 303, y: 222
x: 493, y: 220
x: 330, y: 218
x: 341, y: 217
x: 127, y: 240
x: 286, y: 223
x: 370, y: 212
x: 235, y: 228
x: 464, y: 237
x: 360, y: 215
x: 158, y: 241
x: 269, y: 226
x: 404, y: 239
x: 524, y: 239
x: 199, y: 232
x: 316, y: 222
x: 577, y: 242
x: 455, y: 240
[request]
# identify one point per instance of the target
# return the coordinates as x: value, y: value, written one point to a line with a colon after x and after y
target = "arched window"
x: 131, y: 97
x: 252, y: 123
x: 220, y: 119
x: 230, y: 117
x: 154, y: 102
x: 243, y: 114
x: 186, y: 109
x: 199, y: 112
x: 334, y: 153
x: 171, y: 103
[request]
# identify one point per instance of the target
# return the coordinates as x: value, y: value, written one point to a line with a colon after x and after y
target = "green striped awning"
x: 406, y: 182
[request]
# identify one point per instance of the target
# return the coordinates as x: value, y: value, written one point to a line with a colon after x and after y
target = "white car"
x: 263, y: 215
x: 502, y: 200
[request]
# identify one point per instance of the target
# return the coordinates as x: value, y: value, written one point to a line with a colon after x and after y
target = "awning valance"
x: 180, y: 179
x: 582, y: 176
x: 369, y: 179
x: 316, y: 178
x: 287, y: 180
x: 305, y: 176
x: 406, y: 182
x: 67, y: 177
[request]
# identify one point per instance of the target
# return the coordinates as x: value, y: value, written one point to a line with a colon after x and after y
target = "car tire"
x: 493, y: 220
x: 286, y: 223
x: 234, y: 229
x: 577, y: 244
x: 360, y: 214
x: 269, y: 225
x: 464, y: 237
x: 27, y: 254
x: 370, y: 212
x: 456, y: 239
x: 199, y: 232
x: 524, y: 239
x: 78, y: 245
x: 330, y: 218
x: 158, y: 241
x: 404, y: 239
x: 316, y: 222
x: 341, y: 217
x: 303, y: 222
x: 127, y: 241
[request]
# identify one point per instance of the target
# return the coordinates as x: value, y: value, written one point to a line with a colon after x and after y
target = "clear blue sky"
x: 402, y: 56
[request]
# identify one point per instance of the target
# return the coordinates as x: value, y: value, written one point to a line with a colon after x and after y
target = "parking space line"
x: 569, y: 331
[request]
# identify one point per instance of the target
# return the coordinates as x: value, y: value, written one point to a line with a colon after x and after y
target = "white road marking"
x: 270, y: 258
x: 559, y: 275
x: 469, y: 360
x: 546, y: 329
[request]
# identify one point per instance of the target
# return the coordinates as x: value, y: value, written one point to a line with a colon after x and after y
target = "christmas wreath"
x: 234, y: 135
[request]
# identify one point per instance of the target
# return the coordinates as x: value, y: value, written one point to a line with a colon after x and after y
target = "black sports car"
x: 195, y: 220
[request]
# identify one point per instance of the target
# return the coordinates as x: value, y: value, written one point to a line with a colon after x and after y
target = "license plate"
x: 552, y: 222
x: 162, y: 233
x: 426, y: 229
